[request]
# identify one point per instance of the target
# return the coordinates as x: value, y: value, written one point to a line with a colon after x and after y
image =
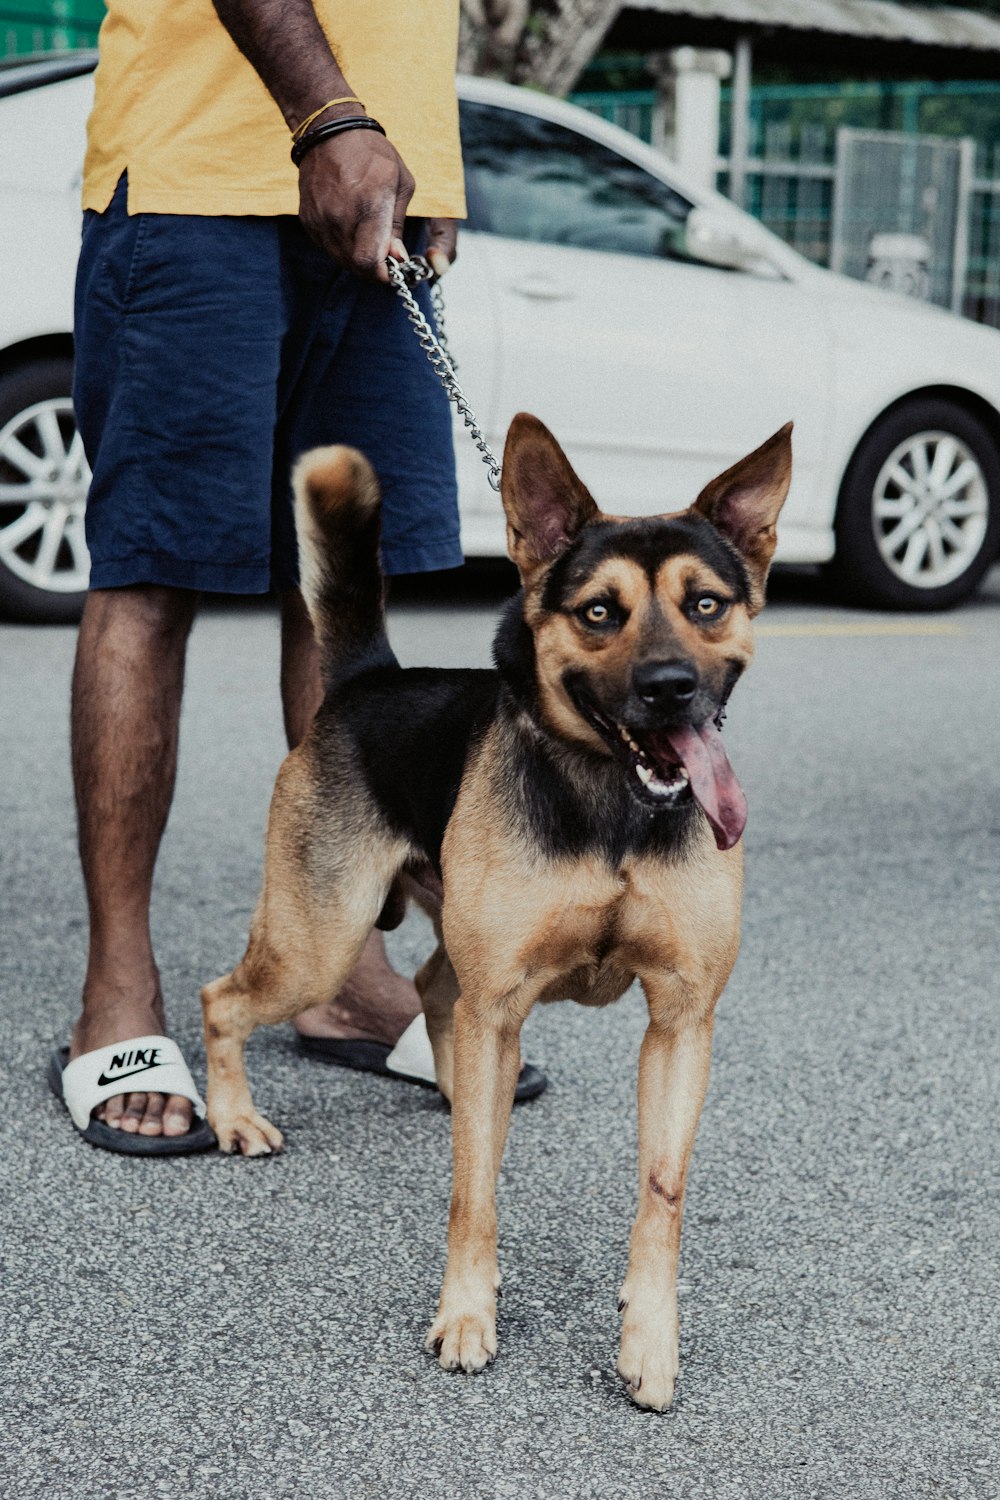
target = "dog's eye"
x: 597, y: 612
x: 708, y: 607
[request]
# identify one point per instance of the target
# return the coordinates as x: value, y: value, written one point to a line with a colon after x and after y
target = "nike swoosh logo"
x: 104, y: 1079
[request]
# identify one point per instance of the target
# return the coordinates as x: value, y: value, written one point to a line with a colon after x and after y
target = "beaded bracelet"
x: 334, y: 127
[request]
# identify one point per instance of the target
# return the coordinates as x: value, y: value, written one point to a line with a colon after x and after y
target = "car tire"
x: 43, y: 490
x: 918, y: 522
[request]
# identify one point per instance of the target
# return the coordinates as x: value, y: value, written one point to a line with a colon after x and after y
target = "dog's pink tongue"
x: 713, y: 780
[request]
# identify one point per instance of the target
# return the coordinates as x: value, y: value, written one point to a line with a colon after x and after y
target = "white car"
x: 660, y: 333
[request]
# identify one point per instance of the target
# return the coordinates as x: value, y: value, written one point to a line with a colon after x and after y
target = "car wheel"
x: 44, y: 478
x: 918, y: 522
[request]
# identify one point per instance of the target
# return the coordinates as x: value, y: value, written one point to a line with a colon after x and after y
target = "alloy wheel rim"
x: 44, y: 478
x: 930, y: 509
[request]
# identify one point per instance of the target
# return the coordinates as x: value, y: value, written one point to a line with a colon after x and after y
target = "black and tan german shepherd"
x: 577, y: 804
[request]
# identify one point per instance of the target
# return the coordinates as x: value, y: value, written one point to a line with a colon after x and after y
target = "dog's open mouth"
x: 666, y: 767
x: 662, y: 779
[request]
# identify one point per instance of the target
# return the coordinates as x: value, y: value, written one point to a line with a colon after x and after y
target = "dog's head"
x: 641, y: 627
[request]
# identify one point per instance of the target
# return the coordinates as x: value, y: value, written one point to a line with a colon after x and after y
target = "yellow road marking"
x: 863, y: 628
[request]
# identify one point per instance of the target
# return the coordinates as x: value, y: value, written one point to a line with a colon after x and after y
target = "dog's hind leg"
x: 435, y: 980
x: 327, y: 871
x: 437, y: 987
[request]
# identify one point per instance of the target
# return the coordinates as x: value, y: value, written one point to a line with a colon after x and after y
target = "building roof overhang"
x: 855, y: 35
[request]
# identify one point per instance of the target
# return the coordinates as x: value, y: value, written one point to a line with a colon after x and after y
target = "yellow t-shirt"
x: 181, y: 109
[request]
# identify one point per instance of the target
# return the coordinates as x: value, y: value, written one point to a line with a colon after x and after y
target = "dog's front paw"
x: 463, y: 1340
x: 648, y: 1357
x: 248, y: 1134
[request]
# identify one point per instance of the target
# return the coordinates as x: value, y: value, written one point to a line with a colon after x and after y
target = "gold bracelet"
x: 301, y: 129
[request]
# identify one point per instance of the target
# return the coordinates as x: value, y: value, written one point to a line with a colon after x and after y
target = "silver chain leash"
x: 437, y: 302
x: 407, y: 274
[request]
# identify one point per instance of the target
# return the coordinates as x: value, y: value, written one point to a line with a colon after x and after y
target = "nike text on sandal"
x: 411, y: 1060
x: 147, y: 1065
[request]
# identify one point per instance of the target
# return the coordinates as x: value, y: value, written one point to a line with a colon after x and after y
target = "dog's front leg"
x: 487, y: 1057
x: 673, y: 1077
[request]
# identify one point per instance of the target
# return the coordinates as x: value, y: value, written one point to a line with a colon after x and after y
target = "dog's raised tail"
x: 337, y: 519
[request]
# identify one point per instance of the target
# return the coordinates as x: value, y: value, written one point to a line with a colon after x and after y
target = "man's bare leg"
x: 376, y: 1004
x: 127, y: 687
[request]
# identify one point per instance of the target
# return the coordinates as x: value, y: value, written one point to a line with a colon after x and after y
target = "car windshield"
x: 531, y: 179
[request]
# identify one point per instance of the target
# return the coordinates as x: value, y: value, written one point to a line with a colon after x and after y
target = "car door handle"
x: 542, y: 289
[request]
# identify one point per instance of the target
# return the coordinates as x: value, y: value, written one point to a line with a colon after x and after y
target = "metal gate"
x: 901, y: 212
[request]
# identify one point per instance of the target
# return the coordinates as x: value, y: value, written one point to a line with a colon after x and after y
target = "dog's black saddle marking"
x: 412, y: 729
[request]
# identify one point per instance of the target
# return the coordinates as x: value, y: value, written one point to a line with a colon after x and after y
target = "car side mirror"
x: 718, y: 240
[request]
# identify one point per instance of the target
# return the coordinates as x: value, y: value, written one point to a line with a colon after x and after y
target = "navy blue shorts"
x: 210, y: 353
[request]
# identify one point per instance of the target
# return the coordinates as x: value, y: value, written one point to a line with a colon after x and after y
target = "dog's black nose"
x: 660, y: 683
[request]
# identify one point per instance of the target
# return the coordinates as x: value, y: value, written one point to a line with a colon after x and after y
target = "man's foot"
x: 375, y: 1005
x: 117, y: 1021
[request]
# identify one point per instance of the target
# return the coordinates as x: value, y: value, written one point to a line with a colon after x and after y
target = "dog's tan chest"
x: 644, y: 917
x: 582, y: 927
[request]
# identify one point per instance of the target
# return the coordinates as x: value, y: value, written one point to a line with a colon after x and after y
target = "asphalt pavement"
x: 230, y: 1330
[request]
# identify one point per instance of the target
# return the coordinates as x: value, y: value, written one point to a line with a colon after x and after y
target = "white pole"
x: 963, y: 208
x: 739, y: 127
x: 698, y: 73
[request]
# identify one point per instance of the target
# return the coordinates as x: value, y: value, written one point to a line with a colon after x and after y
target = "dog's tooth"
x: 644, y: 773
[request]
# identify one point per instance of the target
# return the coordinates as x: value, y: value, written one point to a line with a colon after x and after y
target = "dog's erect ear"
x: 744, y: 502
x: 546, y: 504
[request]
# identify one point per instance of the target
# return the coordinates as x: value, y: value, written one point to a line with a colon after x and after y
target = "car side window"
x: 531, y: 179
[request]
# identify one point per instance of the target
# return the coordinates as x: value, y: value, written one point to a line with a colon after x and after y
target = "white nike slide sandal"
x: 411, y: 1060
x: 146, y: 1064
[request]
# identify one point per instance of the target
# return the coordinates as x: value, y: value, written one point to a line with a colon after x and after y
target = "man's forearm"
x: 287, y: 46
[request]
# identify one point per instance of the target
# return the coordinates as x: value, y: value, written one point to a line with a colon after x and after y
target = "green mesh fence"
x: 32, y: 26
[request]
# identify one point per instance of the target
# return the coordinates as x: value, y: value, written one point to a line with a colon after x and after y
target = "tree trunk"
x: 546, y: 43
